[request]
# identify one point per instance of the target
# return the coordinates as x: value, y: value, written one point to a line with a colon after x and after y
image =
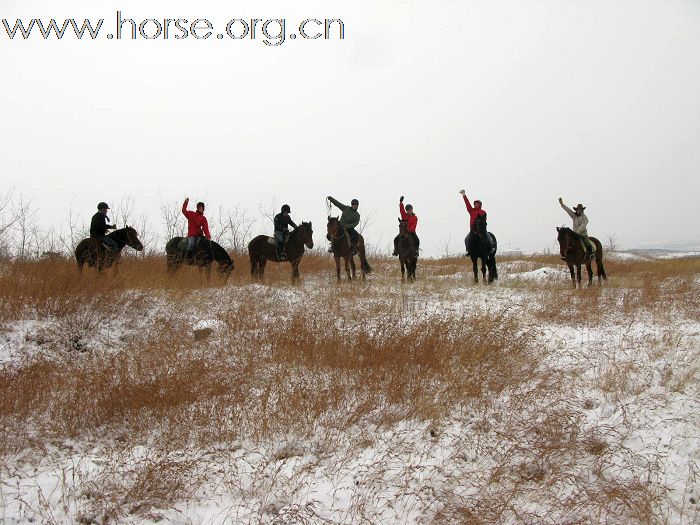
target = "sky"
x: 517, y: 102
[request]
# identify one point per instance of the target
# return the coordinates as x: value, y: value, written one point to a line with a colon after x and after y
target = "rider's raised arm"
x: 402, y: 210
x: 338, y: 205
x: 568, y: 210
x: 184, y: 206
x: 467, y: 203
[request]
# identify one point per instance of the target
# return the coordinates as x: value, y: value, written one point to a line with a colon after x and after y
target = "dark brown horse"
x: 95, y: 254
x: 340, y: 244
x: 406, y: 248
x: 574, y: 254
x: 203, y: 256
x: 262, y: 249
x: 477, y: 248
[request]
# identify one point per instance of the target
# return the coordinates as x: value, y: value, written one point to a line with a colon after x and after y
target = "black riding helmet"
x: 286, y: 208
x: 200, y: 204
x: 102, y: 206
x: 354, y: 201
x: 409, y: 206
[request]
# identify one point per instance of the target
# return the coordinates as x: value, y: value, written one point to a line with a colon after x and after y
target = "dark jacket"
x: 350, y: 217
x: 98, y: 225
x: 282, y: 223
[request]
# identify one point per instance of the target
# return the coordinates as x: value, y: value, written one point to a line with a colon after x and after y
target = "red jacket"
x: 412, y: 219
x: 197, y: 224
x: 473, y: 212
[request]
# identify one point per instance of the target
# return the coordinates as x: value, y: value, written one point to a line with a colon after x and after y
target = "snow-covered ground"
x: 607, y: 428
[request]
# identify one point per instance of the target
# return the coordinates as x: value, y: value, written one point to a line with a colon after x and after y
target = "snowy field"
x: 134, y: 399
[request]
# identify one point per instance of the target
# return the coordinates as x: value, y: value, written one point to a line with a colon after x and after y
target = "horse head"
x: 403, y: 227
x: 480, y: 225
x: 306, y: 232
x: 132, y: 238
x: 333, y: 227
x: 565, y: 238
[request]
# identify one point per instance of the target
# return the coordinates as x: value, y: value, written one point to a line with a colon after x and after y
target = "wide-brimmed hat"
x: 579, y: 207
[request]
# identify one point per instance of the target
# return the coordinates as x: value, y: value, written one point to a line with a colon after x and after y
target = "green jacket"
x: 350, y: 217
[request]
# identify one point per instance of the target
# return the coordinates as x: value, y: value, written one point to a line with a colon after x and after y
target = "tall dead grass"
x: 319, y: 361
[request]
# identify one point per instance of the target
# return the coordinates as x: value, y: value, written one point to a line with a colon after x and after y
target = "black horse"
x: 92, y: 252
x: 406, y: 248
x: 262, y: 249
x: 204, y: 254
x: 478, y: 249
x: 574, y: 254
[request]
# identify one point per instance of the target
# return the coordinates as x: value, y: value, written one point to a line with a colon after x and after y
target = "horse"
x: 407, y: 252
x: 478, y: 249
x: 262, y: 249
x: 96, y: 254
x: 574, y: 254
x: 204, y: 254
x: 340, y: 244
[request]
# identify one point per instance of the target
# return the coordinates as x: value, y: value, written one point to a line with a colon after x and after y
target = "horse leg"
x: 295, y: 270
x: 349, y: 263
x: 261, y: 266
x: 483, y: 270
x: 573, y: 277
x: 403, y: 270
x: 589, y: 269
x: 475, y: 268
x: 578, y: 275
x: 337, y: 267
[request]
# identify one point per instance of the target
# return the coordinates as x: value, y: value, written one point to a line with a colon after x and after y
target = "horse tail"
x: 253, y: 259
x: 363, y: 260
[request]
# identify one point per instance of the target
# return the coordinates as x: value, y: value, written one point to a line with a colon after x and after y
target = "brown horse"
x: 340, y: 244
x: 407, y: 252
x: 573, y: 253
x: 95, y: 254
x: 204, y: 254
x: 262, y: 249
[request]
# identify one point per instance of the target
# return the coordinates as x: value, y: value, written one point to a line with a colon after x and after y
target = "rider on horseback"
x: 282, y: 222
x: 197, y: 225
x: 99, y: 227
x: 349, y: 220
x: 580, y: 224
x: 412, y: 220
x: 475, y: 212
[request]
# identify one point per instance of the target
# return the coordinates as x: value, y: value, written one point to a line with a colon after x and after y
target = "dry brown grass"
x: 319, y: 361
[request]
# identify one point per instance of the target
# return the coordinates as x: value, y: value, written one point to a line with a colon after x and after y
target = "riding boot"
x: 589, y: 254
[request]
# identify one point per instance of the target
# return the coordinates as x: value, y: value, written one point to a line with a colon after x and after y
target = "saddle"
x: 273, y: 241
x: 182, y: 245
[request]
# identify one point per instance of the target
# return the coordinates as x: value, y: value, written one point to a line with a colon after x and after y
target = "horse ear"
x: 558, y: 228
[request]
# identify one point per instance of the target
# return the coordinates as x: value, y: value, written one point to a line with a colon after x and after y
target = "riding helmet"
x: 354, y: 201
x: 200, y: 204
x: 102, y: 206
x: 286, y: 208
x: 409, y: 206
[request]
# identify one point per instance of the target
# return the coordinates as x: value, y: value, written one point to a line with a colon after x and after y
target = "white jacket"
x: 580, y: 221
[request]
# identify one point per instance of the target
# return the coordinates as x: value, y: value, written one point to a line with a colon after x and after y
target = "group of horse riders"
x: 198, y: 227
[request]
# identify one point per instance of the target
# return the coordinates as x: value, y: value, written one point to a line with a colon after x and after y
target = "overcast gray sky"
x: 518, y: 102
